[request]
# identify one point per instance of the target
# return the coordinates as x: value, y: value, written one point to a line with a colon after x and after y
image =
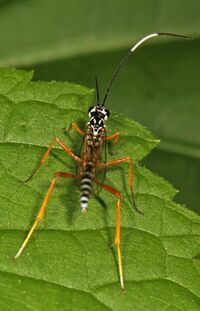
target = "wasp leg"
x: 116, y: 162
x: 43, y: 208
x: 117, y: 232
x: 45, y: 156
x: 115, y: 137
x: 73, y: 125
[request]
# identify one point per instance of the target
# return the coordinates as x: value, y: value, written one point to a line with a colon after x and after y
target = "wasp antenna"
x: 97, y: 90
x: 174, y: 35
x: 157, y: 34
x: 126, y: 57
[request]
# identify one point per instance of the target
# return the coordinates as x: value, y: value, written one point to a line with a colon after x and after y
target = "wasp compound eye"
x: 107, y: 113
x: 91, y: 111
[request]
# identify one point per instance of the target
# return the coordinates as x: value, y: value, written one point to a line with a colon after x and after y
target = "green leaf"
x: 77, y: 40
x: 70, y: 263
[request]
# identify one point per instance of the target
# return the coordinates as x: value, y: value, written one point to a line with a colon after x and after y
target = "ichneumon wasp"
x: 89, y: 161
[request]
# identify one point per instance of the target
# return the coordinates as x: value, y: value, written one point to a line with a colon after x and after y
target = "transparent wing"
x: 101, y: 172
x: 81, y: 154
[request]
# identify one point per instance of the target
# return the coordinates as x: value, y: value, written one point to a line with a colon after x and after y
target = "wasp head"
x: 98, y: 115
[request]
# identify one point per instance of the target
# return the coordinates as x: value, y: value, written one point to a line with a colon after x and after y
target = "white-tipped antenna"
x: 126, y: 57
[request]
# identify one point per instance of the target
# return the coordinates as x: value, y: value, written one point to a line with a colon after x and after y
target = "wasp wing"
x: 101, y: 171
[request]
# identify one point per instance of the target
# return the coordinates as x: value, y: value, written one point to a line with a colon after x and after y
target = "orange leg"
x: 117, y: 233
x: 45, y: 156
x: 114, y: 136
x: 73, y: 125
x: 116, y: 162
x: 43, y: 208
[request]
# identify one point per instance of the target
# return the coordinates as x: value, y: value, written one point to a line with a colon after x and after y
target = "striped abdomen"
x: 91, y: 154
x: 86, y: 185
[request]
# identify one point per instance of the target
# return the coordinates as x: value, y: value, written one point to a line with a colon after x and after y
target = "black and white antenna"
x: 126, y: 57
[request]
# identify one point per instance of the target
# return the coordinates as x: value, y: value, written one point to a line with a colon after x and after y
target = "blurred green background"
x: 159, y: 87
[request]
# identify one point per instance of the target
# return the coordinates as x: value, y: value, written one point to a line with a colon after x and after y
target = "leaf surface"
x: 70, y: 263
x: 159, y: 86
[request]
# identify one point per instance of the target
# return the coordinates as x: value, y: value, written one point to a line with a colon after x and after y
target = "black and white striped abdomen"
x: 85, y: 188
